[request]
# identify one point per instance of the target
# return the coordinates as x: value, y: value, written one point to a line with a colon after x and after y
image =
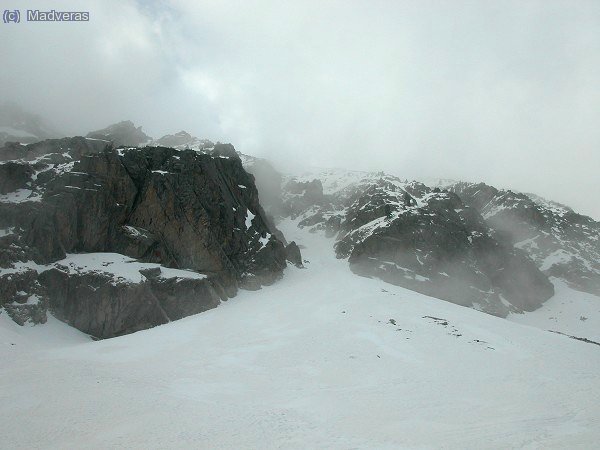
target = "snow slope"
x: 321, y: 359
x: 569, y: 311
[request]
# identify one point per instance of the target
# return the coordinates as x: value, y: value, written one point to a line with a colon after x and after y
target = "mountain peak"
x: 183, y: 140
x: 123, y: 133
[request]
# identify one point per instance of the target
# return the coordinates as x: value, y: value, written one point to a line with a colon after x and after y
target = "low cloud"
x: 504, y: 92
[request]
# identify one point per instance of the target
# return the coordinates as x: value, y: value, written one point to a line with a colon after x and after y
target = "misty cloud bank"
x: 504, y: 92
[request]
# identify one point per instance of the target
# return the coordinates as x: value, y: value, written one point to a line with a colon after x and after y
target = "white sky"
x: 496, y: 91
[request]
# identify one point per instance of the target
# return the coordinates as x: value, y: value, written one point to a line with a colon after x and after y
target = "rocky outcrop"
x: 121, y: 134
x: 303, y: 195
x: 22, y: 296
x: 432, y: 243
x: 176, y: 209
x: 182, y: 140
x: 14, y: 176
x: 420, y: 238
x: 174, y: 140
x: 292, y: 254
x: 42, y: 154
x: 563, y: 244
x: 94, y: 302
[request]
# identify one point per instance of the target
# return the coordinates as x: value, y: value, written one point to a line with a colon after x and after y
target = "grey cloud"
x: 504, y: 92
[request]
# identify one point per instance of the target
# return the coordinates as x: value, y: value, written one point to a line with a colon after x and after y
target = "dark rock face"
x: 23, y: 297
x: 302, y: 195
x: 95, y: 303
x: 562, y: 243
x: 91, y: 303
x: 14, y: 176
x: 121, y: 134
x: 179, y: 209
x: 292, y: 254
x: 51, y: 151
x: 422, y: 239
x: 431, y: 243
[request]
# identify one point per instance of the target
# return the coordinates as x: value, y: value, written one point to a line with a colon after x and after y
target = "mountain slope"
x: 123, y: 133
x: 420, y: 238
x: 563, y: 244
x: 182, y: 140
x: 569, y: 311
x: 18, y: 125
x: 321, y: 359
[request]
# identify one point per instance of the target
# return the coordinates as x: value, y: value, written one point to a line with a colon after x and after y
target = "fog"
x: 501, y: 92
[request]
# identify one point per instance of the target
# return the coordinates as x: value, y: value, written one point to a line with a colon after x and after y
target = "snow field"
x: 321, y: 359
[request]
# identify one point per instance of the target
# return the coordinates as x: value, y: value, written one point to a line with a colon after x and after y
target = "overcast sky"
x: 496, y: 91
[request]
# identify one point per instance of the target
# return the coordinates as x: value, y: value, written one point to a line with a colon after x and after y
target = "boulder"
x: 292, y: 254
